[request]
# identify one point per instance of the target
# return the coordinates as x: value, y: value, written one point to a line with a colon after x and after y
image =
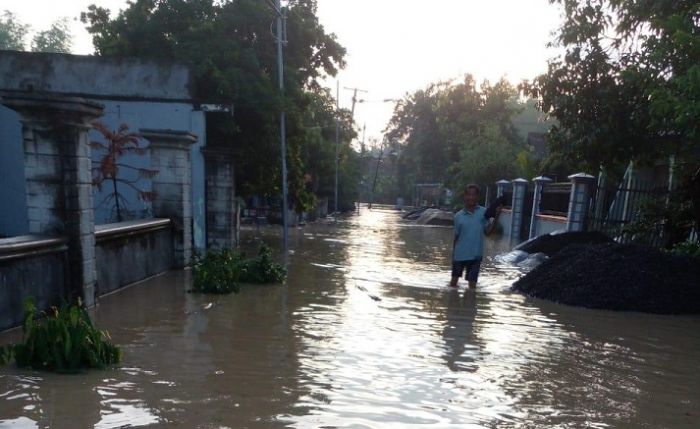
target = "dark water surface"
x: 366, y: 335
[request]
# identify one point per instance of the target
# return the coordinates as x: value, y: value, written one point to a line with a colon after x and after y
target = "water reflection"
x: 366, y: 334
x: 461, y: 347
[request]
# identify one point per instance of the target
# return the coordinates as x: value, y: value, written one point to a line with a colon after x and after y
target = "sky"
x: 394, y: 46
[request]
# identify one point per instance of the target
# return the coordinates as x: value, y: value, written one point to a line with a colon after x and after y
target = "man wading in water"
x: 471, y: 225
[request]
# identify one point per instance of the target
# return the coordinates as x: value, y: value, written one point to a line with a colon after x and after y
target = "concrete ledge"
x: 31, y: 266
x: 128, y: 252
x: 30, y: 245
x: 112, y: 231
x: 552, y: 218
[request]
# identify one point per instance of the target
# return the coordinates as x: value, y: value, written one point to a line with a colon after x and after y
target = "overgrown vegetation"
x: 688, y: 247
x: 222, y: 271
x: 61, y: 340
x: 262, y: 269
x: 463, y: 132
x: 661, y: 223
x: 218, y: 271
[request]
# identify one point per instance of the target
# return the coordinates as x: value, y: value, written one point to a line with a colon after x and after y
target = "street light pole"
x: 283, y: 132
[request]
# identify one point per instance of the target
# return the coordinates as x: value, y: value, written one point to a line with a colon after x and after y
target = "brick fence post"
x: 170, y: 155
x: 536, y: 198
x: 518, y: 207
x: 221, y: 198
x: 58, y: 173
x: 579, y: 201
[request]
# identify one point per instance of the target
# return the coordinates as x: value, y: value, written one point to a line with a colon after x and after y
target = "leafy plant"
x: 217, y: 272
x: 688, y: 247
x: 659, y: 223
x: 64, y: 340
x: 119, y: 143
x: 262, y: 269
x: 222, y: 271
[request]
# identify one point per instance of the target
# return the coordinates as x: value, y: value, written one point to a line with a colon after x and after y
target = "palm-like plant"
x: 117, y: 144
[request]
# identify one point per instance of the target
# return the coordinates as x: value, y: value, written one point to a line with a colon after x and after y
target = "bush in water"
x: 221, y: 271
x: 64, y: 340
x: 263, y: 269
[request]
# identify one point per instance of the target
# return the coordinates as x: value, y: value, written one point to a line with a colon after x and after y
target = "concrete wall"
x: 505, y: 220
x: 128, y: 252
x: 93, y: 76
x: 547, y: 224
x: 38, y: 270
x: 137, y: 115
x: 13, y: 187
x: 139, y: 93
x: 36, y: 266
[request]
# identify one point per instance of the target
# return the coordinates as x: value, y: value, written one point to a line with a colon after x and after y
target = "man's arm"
x: 491, y: 226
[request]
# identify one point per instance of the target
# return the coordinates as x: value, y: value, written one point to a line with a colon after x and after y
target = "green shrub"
x: 64, y: 340
x: 222, y: 271
x: 263, y: 269
x: 219, y: 272
x: 688, y: 247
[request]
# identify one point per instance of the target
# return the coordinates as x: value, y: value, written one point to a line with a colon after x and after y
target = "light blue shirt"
x: 469, y: 230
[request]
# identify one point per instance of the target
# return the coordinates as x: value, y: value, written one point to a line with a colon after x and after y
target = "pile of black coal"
x: 549, y: 244
x: 617, y: 277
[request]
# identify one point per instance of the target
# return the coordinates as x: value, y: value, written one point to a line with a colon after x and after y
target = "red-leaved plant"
x: 117, y: 144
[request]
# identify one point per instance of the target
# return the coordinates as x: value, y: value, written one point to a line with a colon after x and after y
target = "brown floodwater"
x: 365, y: 334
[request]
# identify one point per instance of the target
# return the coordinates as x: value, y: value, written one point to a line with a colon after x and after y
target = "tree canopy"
x: 56, y: 39
x: 13, y: 35
x: 457, y: 133
x: 231, y: 49
x: 12, y: 32
x: 627, y: 84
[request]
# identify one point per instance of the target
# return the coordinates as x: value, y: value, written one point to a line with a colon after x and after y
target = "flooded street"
x: 367, y: 335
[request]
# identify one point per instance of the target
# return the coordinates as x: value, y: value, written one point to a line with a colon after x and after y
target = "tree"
x: 456, y: 133
x: 57, y: 39
x: 108, y: 170
x: 12, y: 32
x: 232, y: 53
x: 627, y: 85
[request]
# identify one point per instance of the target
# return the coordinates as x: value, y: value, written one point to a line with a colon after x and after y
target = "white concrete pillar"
x: 58, y: 173
x: 170, y: 155
x: 501, y: 187
x: 221, y: 202
x: 537, y: 197
x: 518, y: 207
x: 579, y: 201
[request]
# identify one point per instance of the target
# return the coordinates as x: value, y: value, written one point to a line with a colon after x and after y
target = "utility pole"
x: 337, y: 145
x: 376, y: 173
x: 281, y: 39
x: 362, y: 160
x: 354, y: 100
x: 337, y: 134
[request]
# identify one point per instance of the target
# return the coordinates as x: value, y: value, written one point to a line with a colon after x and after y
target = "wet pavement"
x: 366, y: 334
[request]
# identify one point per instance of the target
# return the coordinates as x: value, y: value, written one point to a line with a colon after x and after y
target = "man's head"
x: 471, y: 195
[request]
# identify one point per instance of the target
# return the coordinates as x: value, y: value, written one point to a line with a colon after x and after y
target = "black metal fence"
x: 621, y: 211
